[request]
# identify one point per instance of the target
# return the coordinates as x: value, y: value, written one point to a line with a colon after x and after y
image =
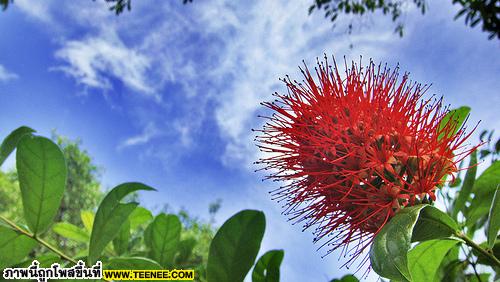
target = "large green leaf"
x: 132, y: 263
x: 10, y: 142
x: 14, y: 247
x: 139, y: 217
x: 450, y: 266
x: 433, y: 224
x: 456, y: 118
x: 235, y: 246
x: 388, y: 253
x: 71, y: 231
x: 389, y: 250
x: 267, y: 268
x: 484, y: 189
x: 121, y: 242
x: 494, y: 219
x: 463, y: 195
x: 164, y: 238
x: 110, y: 217
x: 42, y: 178
x: 424, y: 260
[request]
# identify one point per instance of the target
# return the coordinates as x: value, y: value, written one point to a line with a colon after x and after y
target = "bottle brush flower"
x: 353, y: 150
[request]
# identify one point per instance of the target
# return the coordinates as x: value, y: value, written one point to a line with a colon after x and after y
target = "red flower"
x: 354, y: 151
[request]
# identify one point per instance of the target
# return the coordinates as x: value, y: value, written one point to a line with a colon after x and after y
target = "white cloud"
x: 37, y: 9
x: 216, y: 53
x: 94, y: 61
x: 149, y: 132
x: 6, y: 75
x: 263, y: 41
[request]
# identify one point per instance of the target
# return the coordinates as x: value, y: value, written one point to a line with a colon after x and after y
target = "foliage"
x: 5, y: 3
x: 10, y: 198
x: 440, y: 236
x: 346, y: 278
x: 394, y: 8
x: 489, y: 149
x: 475, y: 11
x: 118, y: 6
x: 120, y: 233
x: 83, y: 188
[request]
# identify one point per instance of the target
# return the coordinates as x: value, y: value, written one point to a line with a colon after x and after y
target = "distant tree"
x: 475, y: 11
x: 83, y: 188
x: 10, y: 198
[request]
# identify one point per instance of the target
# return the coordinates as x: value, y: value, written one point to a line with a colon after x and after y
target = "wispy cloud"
x: 262, y: 41
x: 6, y: 75
x: 95, y: 61
x: 223, y: 58
x: 36, y: 9
x: 149, y: 132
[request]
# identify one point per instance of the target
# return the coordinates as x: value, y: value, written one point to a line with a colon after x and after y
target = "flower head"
x: 355, y: 150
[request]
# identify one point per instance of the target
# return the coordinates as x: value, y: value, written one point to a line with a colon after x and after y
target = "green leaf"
x: 14, y: 247
x: 10, y: 142
x: 470, y: 177
x: 346, y: 278
x: 120, y: 243
x: 70, y: 231
x: 484, y: 190
x: 482, y: 277
x: 494, y: 219
x: 425, y: 258
x: 164, y: 238
x: 45, y: 261
x: 87, y: 220
x: 433, y: 224
x: 42, y: 178
x: 185, y: 249
x: 447, y: 271
x: 456, y: 182
x: 388, y: 253
x: 267, y: 268
x: 235, y: 246
x: 110, y: 217
x: 456, y: 117
x: 139, y: 217
x: 132, y: 263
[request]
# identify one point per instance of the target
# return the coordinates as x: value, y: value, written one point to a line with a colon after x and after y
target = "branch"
x: 36, y: 238
x: 475, y: 246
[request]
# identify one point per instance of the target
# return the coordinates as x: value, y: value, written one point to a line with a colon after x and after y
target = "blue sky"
x: 167, y: 94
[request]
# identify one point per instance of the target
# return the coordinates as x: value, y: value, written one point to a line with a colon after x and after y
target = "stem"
x: 478, y: 248
x: 36, y: 238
